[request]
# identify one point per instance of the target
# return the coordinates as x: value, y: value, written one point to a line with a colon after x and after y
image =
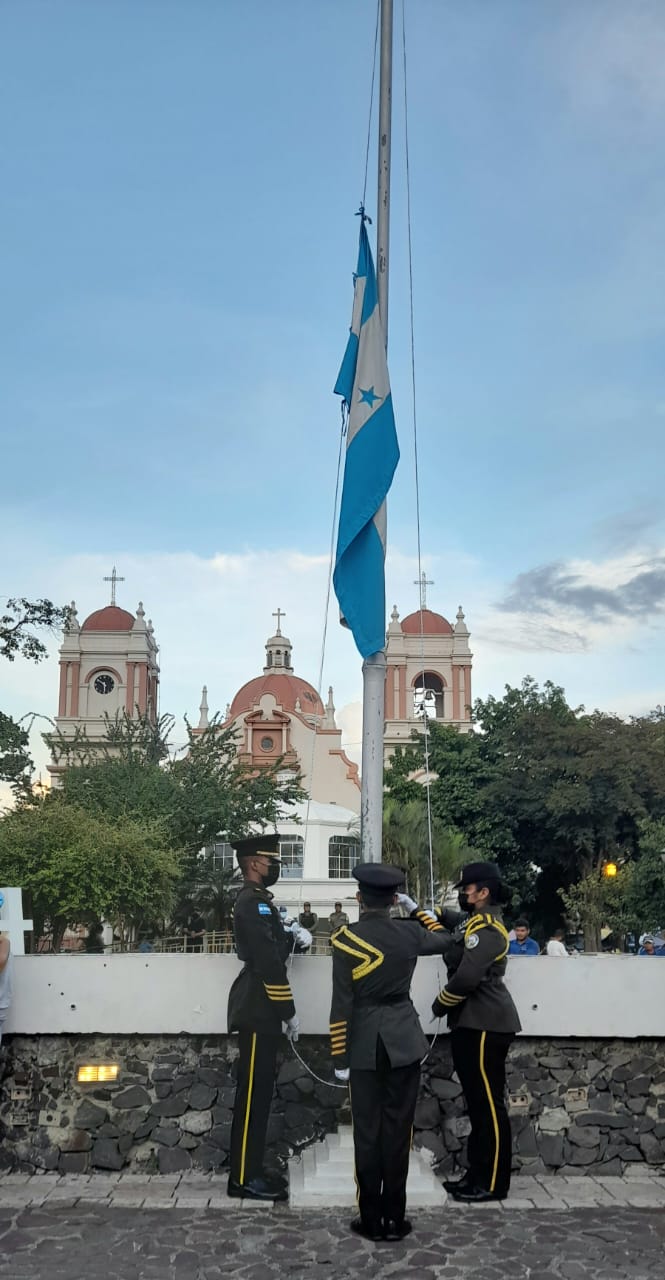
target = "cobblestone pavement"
x: 208, y: 1191
x: 120, y: 1232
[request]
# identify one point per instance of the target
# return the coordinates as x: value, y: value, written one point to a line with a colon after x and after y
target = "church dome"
x: 433, y: 624
x: 111, y: 618
x: 287, y: 689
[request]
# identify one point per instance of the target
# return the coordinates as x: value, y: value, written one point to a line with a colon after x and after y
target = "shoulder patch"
x: 264, y: 909
x: 472, y: 941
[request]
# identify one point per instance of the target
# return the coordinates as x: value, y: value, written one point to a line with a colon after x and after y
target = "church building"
x: 108, y: 665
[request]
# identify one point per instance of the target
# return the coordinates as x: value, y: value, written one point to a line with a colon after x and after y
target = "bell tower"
x: 428, y: 672
x: 108, y: 667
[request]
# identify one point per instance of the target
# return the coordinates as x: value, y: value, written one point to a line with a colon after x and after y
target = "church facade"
x: 109, y: 667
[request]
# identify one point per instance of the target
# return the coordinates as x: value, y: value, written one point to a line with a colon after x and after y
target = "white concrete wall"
x: 601, y: 996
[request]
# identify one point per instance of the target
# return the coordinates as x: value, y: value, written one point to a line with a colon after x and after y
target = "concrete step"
x: 324, y: 1176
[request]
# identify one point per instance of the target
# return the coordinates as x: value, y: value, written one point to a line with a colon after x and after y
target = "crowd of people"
x: 522, y: 944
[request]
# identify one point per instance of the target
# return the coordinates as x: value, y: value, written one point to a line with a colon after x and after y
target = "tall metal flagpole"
x: 374, y: 667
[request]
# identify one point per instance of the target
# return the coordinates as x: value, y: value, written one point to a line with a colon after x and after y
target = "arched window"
x: 292, y: 851
x: 269, y: 662
x: 428, y: 690
x: 343, y: 856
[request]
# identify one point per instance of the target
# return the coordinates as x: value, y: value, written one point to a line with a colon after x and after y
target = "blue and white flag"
x: 372, y: 453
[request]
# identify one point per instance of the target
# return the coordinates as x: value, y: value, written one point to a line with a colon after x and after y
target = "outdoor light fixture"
x: 610, y: 869
x: 97, y: 1073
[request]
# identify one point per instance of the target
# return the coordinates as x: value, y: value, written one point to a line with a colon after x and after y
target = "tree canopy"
x: 78, y: 866
x: 549, y: 791
x: 19, y: 627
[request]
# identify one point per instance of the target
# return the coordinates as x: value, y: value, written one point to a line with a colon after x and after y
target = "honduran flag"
x: 372, y: 454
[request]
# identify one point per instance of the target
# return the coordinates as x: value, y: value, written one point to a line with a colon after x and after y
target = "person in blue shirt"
x: 522, y: 944
x: 649, y: 947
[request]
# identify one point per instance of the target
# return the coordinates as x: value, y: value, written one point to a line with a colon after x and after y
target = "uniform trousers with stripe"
x: 479, y: 1058
x: 251, y: 1109
x: 383, y: 1103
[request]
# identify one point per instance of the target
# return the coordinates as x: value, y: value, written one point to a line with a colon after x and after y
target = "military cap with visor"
x: 256, y: 846
x: 379, y: 877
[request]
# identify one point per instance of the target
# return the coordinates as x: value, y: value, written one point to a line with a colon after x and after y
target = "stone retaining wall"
x: 575, y: 1105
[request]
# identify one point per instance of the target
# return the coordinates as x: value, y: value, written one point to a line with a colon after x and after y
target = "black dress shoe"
x: 460, y: 1184
x: 257, y: 1189
x: 397, y: 1230
x: 475, y: 1195
x: 370, y: 1230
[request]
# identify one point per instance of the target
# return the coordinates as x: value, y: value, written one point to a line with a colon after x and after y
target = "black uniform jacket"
x: 373, y: 963
x: 475, y: 994
x: 260, y: 998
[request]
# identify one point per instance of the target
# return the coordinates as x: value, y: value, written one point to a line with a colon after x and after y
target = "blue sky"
x: 178, y: 236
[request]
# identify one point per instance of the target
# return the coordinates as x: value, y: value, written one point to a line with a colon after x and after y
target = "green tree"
x: 598, y: 902
x: 15, y: 759
x: 78, y: 866
x: 646, y: 891
x: 545, y: 789
x: 207, y: 792
x: 21, y: 621
x: 19, y: 627
x: 406, y: 842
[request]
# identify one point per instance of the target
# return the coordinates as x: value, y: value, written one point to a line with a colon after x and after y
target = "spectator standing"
x: 195, y: 932
x: 522, y: 944
x: 94, y: 943
x: 308, y: 918
x: 6, y: 978
x: 556, y: 946
x: 338, y: 917
x: 648, y: 947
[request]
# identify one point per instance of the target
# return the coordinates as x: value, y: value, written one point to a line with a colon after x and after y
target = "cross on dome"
x: 113, y: 578
x: 423, y: 582
x: 278, y: 614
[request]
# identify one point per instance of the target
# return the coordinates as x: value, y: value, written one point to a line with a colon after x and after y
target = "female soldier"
x: 483, y: 1022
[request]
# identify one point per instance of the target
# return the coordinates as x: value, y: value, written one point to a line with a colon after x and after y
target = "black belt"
x: 385, y: 1000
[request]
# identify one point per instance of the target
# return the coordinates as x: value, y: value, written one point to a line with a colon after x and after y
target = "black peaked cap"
x: 251, y: 845
x: 379, y: 876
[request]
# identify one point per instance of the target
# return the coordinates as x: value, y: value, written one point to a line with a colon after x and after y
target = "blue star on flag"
x: 368, y: 397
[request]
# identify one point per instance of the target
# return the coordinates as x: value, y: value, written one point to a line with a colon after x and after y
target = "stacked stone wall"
x: 576, y: 1106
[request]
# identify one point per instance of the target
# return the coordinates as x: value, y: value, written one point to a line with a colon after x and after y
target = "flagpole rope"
x: 371, y: 101
x: 415, y: 447
x: 339, y: 468
x: 324, y: 636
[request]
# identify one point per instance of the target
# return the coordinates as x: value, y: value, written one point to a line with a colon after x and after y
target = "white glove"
x: 342, y: 1073
x: 291, y: 1028
x: 405, y: 901
x: 301, y: 935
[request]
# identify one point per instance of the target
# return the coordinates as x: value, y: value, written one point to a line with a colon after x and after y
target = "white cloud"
x: 213, y: 615
x: 612, y: 57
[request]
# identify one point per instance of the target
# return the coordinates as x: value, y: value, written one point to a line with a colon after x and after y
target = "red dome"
x: 111, y: 618
x: 285, y: 688
x: 433, y: 624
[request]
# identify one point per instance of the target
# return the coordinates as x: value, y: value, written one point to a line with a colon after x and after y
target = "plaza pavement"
x: 136, y: 1227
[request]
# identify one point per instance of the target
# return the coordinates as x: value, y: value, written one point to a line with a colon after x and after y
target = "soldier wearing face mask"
x: 260, y: 1000
x: 483, y: 1022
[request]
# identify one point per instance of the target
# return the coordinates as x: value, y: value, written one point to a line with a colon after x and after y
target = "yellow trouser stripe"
x: 490, y: 1100
x: 248, y: 1109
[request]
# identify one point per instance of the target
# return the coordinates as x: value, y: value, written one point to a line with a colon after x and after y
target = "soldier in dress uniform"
x: 260, y: 1000
x: 483, y: 1023
x: 376, y: 1038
